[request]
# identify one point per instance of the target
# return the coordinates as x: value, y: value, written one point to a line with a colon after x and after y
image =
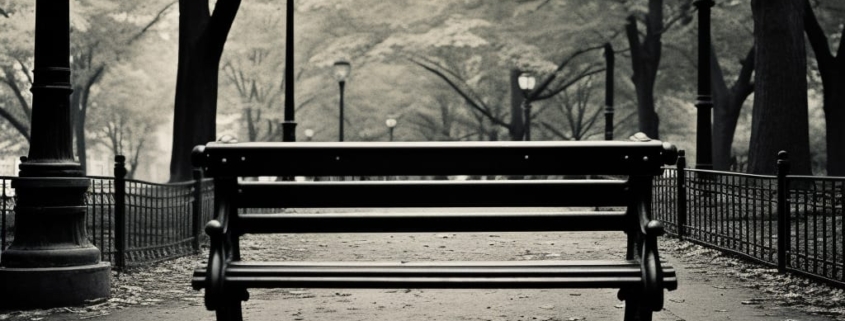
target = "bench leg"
x: 635, y: 308
x: 230, y: 310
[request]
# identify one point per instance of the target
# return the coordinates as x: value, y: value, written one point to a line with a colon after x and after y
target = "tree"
x: 645, y: 58
x: 727, y: 104
x: 832, y: 71
x: 94, y: 49
x: 579, y: 113
x: 780, y: 119
x: 16, y: 35
x: 202, y: 36
x: 126, y: 112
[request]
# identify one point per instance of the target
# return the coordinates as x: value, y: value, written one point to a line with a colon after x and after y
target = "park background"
x: 446, y: 70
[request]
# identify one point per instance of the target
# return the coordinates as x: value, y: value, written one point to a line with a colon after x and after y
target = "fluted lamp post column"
x: 51, y: 262
x: 391, y: 123
x: 704, y: 101
x: 526, y: 83
x: 341, y: 70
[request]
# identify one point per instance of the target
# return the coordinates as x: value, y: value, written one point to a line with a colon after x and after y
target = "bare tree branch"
x: 150, y: 24
x: 535, y: 94
x: 475, y: 104
x: 584, y: 73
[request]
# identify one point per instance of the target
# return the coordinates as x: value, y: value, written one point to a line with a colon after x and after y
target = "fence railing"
x: 134, y: 222
x: 791, y: 222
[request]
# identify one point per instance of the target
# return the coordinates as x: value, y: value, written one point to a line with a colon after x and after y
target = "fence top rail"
x: 176, y: 184
x: 100, y: 177
x: 434, y: 158
x: 817, y: 178
x: 735, y: 174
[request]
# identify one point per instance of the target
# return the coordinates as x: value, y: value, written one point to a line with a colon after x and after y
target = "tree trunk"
x: 780, y: 102
x: 727, y: 106
x: 834, y: 116
x: 645, y: 60
x: 832, y: 71
x: 201, y: 40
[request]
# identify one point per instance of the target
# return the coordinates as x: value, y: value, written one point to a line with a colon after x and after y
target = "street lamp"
x: 526, y: 83
x: 309, y: 134
x: 341, y: 70
x: 391, y: 123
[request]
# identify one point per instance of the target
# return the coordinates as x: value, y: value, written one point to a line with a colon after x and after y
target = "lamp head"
x: 309, y: 133
x: 341, y: 70
x: 526, y: 81
x: 390, y: 122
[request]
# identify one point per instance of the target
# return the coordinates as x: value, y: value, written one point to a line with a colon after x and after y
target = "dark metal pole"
x: 704, y: 103
x: 120, y: 212
x: 391, y: 134
x: 196, y: 219
x: 289, y: 126
x: 783, y: 211
x: 608, y: 92
x: 340, y: 126
x: 527, y: 108
x: 51, y: 262
x: 681, y: 197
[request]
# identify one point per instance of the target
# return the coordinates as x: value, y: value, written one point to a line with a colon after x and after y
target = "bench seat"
x: 432, y: 275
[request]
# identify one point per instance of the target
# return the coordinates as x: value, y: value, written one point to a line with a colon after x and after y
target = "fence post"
x: 197, y: 213
x: 120, y: 212
x: 681, y: 198
x: 783, y: 210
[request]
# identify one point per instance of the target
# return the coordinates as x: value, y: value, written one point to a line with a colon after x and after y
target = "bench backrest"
x: 225, y: 162
x: 434, y: 158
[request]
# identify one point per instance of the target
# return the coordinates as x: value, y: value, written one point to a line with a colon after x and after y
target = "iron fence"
x: 791, y: 222
x: 134, y: 222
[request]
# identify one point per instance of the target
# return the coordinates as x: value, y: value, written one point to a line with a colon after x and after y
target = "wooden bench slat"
x: 431, y: 222
x: 526, y: 193
x: 522, y: 274
x: 433, y: 158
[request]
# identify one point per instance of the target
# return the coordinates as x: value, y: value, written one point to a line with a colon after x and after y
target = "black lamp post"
x: 391, y: 123
x: 704, y: 102
x: 309, y: 134
x: 289, y: 125
x: 608, y: 92
x: 342, y: 69
x: 527, y: 83
x: 51, y: 262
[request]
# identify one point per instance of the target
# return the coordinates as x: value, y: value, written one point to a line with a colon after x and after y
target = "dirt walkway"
x: 704, y: 293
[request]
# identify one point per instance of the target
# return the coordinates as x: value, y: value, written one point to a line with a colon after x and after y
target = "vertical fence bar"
x: 3, y: 215
x: 681, y: 166
x: 197, y: 210
x: 783, y: 210
x: 120, y: 211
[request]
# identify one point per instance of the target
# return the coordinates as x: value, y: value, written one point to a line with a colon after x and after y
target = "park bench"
x: 640, y: 276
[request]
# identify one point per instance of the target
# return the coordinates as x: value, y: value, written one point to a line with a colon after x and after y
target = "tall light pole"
x: 51, y: 262
x: 309, y: 134
x: 391, y: 123
x: 289, y: 125
x: 608, y: 92
x: 342, y: 69
x: 527, y: 83
x: 704, y: 102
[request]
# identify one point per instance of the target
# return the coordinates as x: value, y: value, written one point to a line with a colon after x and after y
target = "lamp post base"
x: 26, y: 288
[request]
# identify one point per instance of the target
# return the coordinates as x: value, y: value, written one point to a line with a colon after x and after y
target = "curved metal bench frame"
x: 642, y: 277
